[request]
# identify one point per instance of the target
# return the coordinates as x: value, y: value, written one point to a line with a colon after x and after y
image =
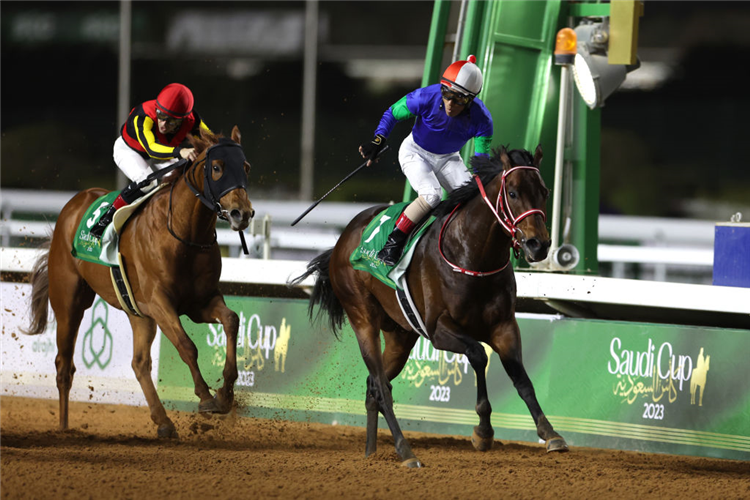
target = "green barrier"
x: 601, y: 383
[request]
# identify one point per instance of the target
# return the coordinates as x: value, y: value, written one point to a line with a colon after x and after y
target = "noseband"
x: 504, y: 215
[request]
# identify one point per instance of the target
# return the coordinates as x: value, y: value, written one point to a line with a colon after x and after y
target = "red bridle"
x: 504, y: 215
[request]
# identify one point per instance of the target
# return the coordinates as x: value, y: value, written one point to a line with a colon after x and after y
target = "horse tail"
x: 39, y: 294
x: 322, y: 293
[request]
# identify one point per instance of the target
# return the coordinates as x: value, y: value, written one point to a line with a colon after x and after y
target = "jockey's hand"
x: 188, y: 154
x: 370, y: 150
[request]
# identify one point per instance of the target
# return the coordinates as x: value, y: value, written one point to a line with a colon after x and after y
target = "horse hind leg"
x: 398, y: 345
x: 379, y: 389
x: 144, y: 332
x: 69, y: 308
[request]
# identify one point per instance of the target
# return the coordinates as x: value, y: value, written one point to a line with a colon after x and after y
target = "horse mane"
x: 204, y: 140
x: 487, y: 168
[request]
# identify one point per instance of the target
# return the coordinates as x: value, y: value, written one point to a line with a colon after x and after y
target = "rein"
x: 169, y: 212
x: 504, y: 215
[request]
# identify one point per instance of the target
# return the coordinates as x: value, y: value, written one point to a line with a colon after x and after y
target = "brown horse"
x: 461, y: 283
x: 173, y: 263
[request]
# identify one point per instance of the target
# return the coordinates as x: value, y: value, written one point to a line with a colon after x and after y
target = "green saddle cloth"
x: 365, y: 256
x: 85, y: 246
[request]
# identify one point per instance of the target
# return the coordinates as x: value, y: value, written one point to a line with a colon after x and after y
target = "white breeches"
x: 428, y: 172
x: 133, y: 165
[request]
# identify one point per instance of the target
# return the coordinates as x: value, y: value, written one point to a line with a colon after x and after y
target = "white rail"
x: 531, y: 285
x: 657, y: 244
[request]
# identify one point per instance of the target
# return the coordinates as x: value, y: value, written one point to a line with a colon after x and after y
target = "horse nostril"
x: 533, y: 244
x: 252, y: 213
x: 235, y: 214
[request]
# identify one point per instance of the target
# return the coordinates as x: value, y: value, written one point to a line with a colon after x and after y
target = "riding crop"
x: 339, y: 184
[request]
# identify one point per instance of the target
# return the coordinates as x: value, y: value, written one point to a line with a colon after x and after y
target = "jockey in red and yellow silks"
x: 152, y: 139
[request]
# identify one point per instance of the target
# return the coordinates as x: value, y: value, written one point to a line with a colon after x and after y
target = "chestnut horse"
x: 173, y: 263
x: 462, y: 284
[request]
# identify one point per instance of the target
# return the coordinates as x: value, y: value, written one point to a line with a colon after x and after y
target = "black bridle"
x: 234, y: 177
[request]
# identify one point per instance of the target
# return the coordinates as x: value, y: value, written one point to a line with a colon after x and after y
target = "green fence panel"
x: 635, y: 386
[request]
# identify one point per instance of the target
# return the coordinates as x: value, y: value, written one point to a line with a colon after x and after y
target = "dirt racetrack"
x: 113, y: 452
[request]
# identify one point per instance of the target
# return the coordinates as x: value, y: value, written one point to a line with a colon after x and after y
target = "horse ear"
x: 504, y: 158
x: 236, y: 136
x: 538, y: 155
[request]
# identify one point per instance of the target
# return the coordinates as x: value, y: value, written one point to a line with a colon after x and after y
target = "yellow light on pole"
x: 565, y: 46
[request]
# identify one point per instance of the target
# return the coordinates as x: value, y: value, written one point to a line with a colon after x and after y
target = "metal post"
x: 562, y: 129
x: 308, y: 101
x: 433, y: 59
x: 459, y: 31
x: 123, y: 84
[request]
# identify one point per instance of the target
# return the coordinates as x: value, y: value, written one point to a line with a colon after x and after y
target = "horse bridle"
x: 226, y: 183
x: 504, y: 215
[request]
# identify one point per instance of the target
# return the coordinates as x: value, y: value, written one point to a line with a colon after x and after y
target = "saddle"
x: 105, y: 251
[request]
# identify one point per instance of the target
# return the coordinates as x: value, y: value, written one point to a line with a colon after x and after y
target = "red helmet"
x: 463, y: 77
x: 176, y: 100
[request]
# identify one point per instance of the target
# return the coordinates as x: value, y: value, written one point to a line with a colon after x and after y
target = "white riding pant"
x: 429, y: 172
x: 133, y: 165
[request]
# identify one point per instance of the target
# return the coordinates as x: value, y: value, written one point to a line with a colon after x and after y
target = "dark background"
x: 677, y: 149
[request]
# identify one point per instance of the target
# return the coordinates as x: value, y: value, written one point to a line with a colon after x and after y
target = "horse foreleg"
x: 379, y: 390
x: 172, y: 328
x: 144, y: 331
x: 447, y: 337
x: 218, y: 310
x: 507, y: 343
x: 483, y: 436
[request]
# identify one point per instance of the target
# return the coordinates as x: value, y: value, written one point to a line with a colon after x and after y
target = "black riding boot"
x: 99, y: 227
x: 391, y: 252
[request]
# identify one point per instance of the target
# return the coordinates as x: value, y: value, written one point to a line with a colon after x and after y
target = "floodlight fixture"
x: 595, y: 78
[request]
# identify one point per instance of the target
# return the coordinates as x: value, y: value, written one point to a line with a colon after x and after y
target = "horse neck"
x: 191, y: 219
x: 475, y: 238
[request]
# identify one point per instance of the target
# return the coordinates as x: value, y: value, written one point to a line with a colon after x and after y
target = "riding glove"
x: 372, y: 149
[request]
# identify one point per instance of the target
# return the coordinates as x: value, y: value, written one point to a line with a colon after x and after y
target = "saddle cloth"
x: 374, y: 237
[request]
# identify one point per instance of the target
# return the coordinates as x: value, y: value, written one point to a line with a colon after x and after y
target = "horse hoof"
x: 167, y: 431
x: 481, y: 443
x: 556, y: 444
x: 412, y: 463
x: 214, y: 405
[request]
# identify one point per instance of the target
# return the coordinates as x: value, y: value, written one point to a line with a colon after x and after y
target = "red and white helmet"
x: 463, y: 77
x: 176, y: 100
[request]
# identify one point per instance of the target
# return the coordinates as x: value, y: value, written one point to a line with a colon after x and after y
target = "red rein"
x: 504, y: 216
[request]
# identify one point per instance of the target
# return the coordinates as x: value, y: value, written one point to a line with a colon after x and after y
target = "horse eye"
x: 216, y: 168
x: 512, y: 194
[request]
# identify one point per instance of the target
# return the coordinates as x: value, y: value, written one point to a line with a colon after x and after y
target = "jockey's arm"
x: 396, y: 113
x: 144, y: 128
